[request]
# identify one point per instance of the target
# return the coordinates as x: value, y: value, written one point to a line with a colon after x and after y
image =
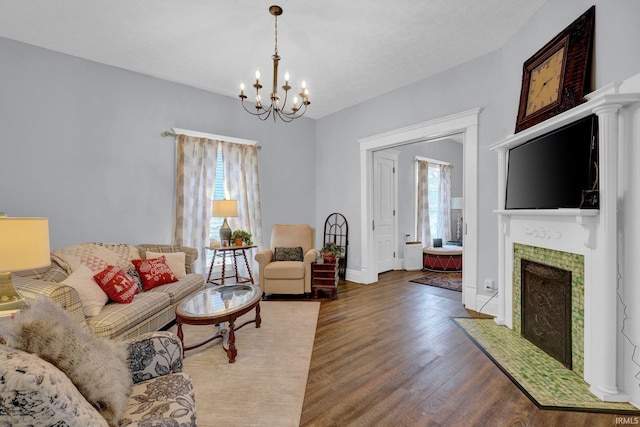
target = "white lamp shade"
x: 456, y: 203
x: 224, y: 208
x: 24, y: 244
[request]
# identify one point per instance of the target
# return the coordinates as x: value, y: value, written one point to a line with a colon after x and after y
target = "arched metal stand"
x: 336, y: 230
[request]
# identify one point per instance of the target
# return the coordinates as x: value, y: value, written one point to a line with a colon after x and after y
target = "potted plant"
x: 241, y: 237
x: 331, y: 251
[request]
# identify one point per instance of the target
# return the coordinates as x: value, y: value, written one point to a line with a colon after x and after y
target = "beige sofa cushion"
x: 175, y: 261
x: 284, y: 270
x: 291, y: 236
x: 115, y: 319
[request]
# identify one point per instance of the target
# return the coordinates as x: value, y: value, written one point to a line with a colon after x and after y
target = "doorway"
x: 385, y: 205
x: 466, y: 124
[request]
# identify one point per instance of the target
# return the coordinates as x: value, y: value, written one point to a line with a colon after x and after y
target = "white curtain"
x: 195, y: 178
x: 444, y: 203
x: 423, y: 231
x: 240, y: 166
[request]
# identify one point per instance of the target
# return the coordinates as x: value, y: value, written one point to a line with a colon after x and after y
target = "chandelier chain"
x: 276, y: 33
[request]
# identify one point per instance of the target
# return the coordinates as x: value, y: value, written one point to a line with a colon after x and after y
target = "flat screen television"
x: 556, y: 170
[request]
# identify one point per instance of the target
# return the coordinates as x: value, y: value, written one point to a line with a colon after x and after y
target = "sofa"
x: 285, y: 267
x: 55, y: 372
x: 148, y: 311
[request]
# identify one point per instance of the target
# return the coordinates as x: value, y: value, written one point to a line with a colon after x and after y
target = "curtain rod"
x: 427, y: 159
x: 209, y: 136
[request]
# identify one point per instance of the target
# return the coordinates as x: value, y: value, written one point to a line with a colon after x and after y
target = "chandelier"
x: 277, y: 108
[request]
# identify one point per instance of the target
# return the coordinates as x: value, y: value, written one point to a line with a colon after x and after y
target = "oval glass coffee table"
x: 216, y: 305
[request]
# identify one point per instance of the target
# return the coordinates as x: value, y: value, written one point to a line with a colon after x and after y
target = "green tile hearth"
x: 545, y: 380
x: 566, y: 261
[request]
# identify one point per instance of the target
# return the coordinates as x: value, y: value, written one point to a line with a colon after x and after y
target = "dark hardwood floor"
x: 387, y: 354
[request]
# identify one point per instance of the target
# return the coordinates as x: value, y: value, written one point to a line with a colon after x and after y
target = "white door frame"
x: 465, y: 123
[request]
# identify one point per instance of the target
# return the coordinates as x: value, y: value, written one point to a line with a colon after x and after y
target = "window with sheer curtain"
x: 218, y: 194
x: 207, y: 169
x: 433, y: 189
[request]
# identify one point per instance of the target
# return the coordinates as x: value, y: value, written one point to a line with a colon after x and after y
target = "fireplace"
x: 551, y: 267
x: 546, y: 309
x: 587, y: 242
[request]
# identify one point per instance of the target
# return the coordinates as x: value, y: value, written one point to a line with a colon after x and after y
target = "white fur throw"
x: 97, y: 367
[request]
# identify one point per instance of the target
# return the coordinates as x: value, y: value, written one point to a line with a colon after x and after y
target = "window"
x: 197, y: 182
x: 218, y: 194
x: 434, y: 198
x: 433, y: 187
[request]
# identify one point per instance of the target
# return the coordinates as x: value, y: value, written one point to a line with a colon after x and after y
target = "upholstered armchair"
x: 285, y: 268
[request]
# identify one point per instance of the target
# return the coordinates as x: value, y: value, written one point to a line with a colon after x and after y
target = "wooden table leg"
x: 180, y: 335
x: 258, y: 318
x: 224, y: 256
x: 213, y: 261
x: 235, y: 265
x: 231, y: 342
x: 246, y: 263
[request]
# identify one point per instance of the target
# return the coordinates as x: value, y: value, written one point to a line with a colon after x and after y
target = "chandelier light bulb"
x: 257, y: 74
x: 286, y: 78
x: 241, y: 89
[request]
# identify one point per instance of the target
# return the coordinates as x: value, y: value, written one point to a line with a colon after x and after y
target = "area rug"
x: 541, y: 377
x: 446, y: 280
x: 266, y: 384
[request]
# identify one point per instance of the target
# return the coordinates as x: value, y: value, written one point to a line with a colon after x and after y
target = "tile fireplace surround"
x: 587, y: 242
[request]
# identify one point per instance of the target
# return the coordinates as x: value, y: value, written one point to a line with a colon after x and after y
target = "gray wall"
x: 491, y: 82
x: 81, y: 144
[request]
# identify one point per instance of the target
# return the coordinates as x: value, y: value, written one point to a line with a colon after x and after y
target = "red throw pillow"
x: 117, y: 284
x: 154, y: 272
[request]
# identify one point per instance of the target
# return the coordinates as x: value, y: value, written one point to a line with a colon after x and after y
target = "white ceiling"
x: 348, y: 51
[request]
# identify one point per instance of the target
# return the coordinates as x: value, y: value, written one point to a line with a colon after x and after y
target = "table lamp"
x: 224, y: 209
x: 24, y: 244
x: 456, y: 204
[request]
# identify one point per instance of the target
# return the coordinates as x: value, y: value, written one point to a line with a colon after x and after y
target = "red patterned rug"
x: 452, y: 281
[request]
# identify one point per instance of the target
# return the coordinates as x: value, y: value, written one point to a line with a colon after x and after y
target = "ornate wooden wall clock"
x: 557, y: 77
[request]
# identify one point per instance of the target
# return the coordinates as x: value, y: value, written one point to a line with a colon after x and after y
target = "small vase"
x: 239, y: 242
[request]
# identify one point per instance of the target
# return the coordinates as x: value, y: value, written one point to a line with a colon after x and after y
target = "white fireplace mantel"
x: 587, y: 218
x: 593, y: 233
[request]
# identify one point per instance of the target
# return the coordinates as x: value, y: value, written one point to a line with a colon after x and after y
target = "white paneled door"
x: 384, y: 209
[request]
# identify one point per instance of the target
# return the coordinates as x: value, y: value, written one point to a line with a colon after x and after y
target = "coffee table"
x: 216, y: 305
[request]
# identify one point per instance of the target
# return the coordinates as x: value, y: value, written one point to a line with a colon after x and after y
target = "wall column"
x: 603, y: 299
x: 502, y: 190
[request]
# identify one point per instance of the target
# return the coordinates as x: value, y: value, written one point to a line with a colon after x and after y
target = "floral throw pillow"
x: 288, y: 254
x: 117, y: 284
x: 154, y: 272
